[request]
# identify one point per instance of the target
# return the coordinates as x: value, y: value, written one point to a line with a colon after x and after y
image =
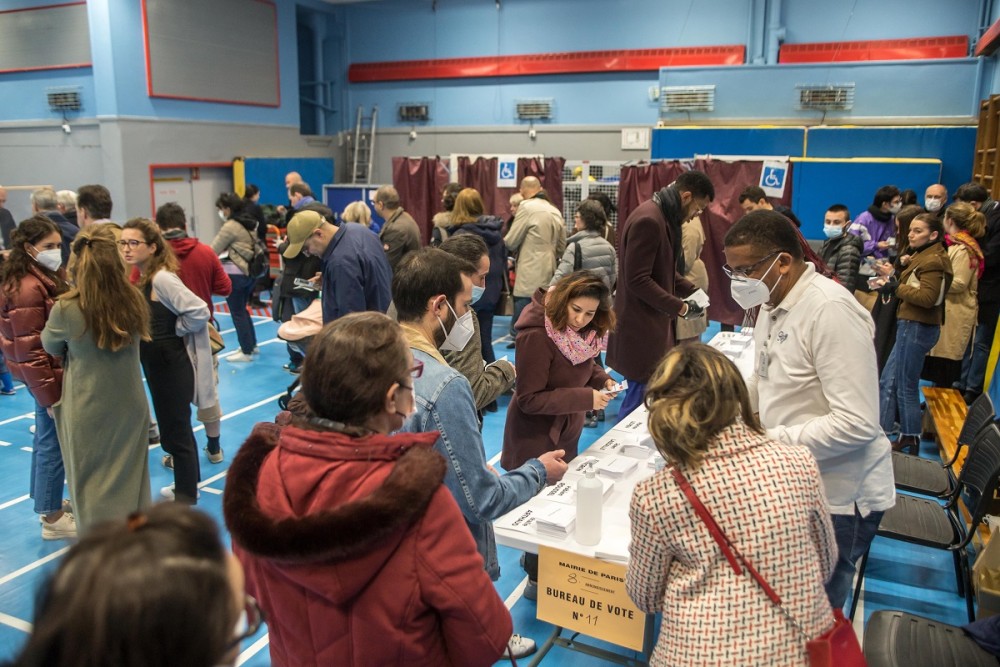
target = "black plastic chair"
x: 914, y: 474
x: 925, y: 522
x: 898, y: 639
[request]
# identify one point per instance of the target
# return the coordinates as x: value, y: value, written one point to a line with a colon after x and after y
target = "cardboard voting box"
x: 986, y: 580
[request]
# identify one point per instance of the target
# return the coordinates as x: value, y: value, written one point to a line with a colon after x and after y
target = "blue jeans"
x: 237, y: 300
x: 899, y: 386
x: 854, y: 534
x: 47, y: 472
x: 976, y: 358
x: 520, y: 303
x: 633, y: 398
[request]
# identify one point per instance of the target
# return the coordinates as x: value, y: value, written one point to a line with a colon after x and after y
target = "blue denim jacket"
x: 444, y: 403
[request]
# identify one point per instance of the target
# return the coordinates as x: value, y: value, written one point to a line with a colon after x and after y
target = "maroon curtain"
x: 548, y: 171
x: 638, y: 183
x: 419, y: 181
x: 481, y: 174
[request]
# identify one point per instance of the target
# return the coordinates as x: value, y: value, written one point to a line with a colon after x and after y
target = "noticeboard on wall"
x: 41, y: 38
x: 212, y: 51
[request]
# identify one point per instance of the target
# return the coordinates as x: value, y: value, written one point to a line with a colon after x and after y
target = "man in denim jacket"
x: 432, y: 292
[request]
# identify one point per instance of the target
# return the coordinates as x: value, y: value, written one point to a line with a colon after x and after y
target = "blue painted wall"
x: 116, y: 85
x: 409, y: 30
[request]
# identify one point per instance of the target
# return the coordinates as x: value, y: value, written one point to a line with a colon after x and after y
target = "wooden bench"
x: 946, y: 410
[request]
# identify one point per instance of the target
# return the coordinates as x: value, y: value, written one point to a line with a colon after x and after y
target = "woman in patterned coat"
x: 767, y: 498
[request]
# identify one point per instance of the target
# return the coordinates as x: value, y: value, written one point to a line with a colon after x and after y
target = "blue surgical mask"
x: 477, y: 293
x: 833, y: 231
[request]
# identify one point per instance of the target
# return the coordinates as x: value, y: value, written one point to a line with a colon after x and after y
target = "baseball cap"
x: 299, y: 228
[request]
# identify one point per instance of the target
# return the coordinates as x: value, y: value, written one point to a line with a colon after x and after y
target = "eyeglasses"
x: 255, y: 618
x: 130, y: 243
x: 417, y: 370
x: 744, y: 272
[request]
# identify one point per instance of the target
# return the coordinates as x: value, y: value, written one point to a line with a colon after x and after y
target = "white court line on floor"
x: 201, y: 427
x: 15, y: 501
x: 859, y: 613
x: 31, y: 566
x: 214, y: 492
x: 269, y: 341
x: 26, y: 449
x: 253, y: 650
x: 516, y: 594
x: 14, y: 622
x: 493, y: 461
x: 4, y: 443
x: 26, y: 415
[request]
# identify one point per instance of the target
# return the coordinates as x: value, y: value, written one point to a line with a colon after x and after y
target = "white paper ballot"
x: 699, y: 297
x: 616, y: 466
x: 560, y: 492
x: 522, y: 519
x: 611, y: 445
x: 555, y: 518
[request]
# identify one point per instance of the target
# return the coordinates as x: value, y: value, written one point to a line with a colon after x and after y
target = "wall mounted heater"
x: 414, y: 112
x: 63, y: 99
x: 827, y: 97
x: 686, y: 98
x: 533, y: 109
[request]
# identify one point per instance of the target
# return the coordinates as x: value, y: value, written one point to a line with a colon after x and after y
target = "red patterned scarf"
x: 572, y: 345
x: 976, y: 259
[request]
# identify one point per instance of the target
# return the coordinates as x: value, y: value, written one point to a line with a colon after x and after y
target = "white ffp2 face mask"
x: 752, y: 292
x: 932, y: 204
x: 50, y: 259
x: 460, y: 334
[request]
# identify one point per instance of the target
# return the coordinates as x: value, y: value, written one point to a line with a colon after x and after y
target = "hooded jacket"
x: 357, y: 552
x: 843, y: 256
x: 487, y: 227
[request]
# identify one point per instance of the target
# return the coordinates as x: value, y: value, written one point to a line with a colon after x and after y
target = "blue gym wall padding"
x: 268, y: 173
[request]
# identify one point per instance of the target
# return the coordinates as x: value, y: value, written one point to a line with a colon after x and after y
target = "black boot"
x: 907, y: 442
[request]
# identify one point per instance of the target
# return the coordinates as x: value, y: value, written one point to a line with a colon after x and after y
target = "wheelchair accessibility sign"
x: 507, y: 171
x: 772, y: 178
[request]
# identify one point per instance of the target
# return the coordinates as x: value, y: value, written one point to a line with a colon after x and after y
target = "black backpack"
x: 259, y: 263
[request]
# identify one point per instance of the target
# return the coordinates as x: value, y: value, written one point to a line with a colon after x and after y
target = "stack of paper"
x: 657, y: 462
x: 564, y: 491
x: 521, y: 519
x: 616, y: 466
x: 555, y: 520
x: 639, y: 448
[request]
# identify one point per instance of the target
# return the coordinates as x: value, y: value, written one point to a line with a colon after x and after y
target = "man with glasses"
x: 432, y: 292
x: 814, y: 381
x: 650, y: 278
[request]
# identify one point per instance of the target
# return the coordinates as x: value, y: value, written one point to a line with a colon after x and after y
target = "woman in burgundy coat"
x: 558, y: 379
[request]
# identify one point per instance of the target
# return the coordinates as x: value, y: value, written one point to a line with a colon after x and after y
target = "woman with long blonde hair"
x: 177, y: 360
x: 95, y: 328
x: 764, y: 495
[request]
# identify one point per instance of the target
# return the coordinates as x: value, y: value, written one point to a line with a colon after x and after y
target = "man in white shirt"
x: 815, y: 381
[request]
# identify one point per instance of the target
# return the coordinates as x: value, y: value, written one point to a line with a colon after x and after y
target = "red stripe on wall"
x: 578, y: 62
x: 921, y: 48
x: 989, y: 42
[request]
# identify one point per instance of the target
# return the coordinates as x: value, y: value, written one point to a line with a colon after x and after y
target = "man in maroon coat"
x: 650, y: 278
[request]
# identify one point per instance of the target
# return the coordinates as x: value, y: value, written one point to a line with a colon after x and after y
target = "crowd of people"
x: 366, y: 508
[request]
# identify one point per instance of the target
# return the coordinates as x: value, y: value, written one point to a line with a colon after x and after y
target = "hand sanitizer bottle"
x: 589, y: 508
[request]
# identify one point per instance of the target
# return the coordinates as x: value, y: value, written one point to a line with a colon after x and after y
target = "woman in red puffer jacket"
x: 30, y: 281
x: 354, y: 547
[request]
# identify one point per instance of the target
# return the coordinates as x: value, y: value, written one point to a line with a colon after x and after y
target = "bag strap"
x: 729, y: 550
x: 578, y: 257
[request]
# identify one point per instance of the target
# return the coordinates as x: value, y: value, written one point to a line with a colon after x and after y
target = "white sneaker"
x: 239, y: 358
x: 63, y: 529
x: 256, y: 351
x: 519, y: 646
x: 168, y: 492
x: 217, y: 457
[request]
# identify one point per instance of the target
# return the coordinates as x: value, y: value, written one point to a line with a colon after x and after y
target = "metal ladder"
x: 364, y: 145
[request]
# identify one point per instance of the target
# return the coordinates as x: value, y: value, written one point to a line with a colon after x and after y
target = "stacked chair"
x: 897, y: 638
